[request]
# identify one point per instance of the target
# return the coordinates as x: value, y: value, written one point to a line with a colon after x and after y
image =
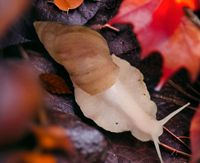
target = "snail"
x: 108, y: 89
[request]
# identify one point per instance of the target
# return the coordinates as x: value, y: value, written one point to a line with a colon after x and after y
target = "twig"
x: 173, y: 150
x: 177, y: 138
x: 181, y: 90
x: 111, y: 27
x: 99, y: 27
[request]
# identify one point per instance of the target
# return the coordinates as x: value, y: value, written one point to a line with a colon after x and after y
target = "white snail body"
x: 116, y: 97
x: 125, y: 106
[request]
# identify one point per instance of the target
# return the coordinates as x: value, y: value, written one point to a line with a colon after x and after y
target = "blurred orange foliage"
x: 53, y: 137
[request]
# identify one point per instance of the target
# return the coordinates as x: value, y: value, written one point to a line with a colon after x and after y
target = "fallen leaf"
x: 195, y: 137
x: 54, y: 84
x: 90, y: 143
x: 30, y: 157
x: 44, y: 65
x: 79, y: 16
x: 40, y: 61
x: 39, y: 158
x: 20, y: 32
x: 123, y: 146
x: 23, y: 31
x: 176, y: 38
x: 52, y: 138
x: 62, y: 111
x: 66, y: 5
x: 93, y: 143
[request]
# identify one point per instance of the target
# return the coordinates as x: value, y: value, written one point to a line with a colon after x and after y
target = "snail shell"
x: 83, y: 52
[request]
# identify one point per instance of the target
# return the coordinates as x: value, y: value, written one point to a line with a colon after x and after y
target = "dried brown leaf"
x: 54, y: 84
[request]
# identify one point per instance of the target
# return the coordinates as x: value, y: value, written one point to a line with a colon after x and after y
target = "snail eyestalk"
x: 166, y: 119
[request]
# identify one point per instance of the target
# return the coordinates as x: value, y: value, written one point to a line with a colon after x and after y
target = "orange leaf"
x: 161, y: 26
x: 195, y: 137
x: 37, y: 158
x: 29, y: 157
x: 53, y: 137
x: 66, y: 5
x: 54, y: 84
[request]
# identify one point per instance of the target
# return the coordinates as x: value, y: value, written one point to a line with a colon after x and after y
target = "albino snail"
x: 108, y: 89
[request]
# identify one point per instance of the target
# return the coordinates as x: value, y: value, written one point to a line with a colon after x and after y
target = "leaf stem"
x: 99, y: 27
x: 177, y: 138
x: 173, y: 150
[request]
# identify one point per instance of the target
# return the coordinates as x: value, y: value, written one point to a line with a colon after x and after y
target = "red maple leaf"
x: 162, y: 26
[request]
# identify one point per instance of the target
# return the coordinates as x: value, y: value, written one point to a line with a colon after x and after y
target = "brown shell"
x: 83, y: 52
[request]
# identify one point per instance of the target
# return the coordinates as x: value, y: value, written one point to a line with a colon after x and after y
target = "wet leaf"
x: 43, y: 64
x: 80, y: 16
x: 61, y: 111
x: 88, y: 140
x: 54, y: 84
x: 23, y: 31
x: 124, y: 147
x: 93, y: 143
